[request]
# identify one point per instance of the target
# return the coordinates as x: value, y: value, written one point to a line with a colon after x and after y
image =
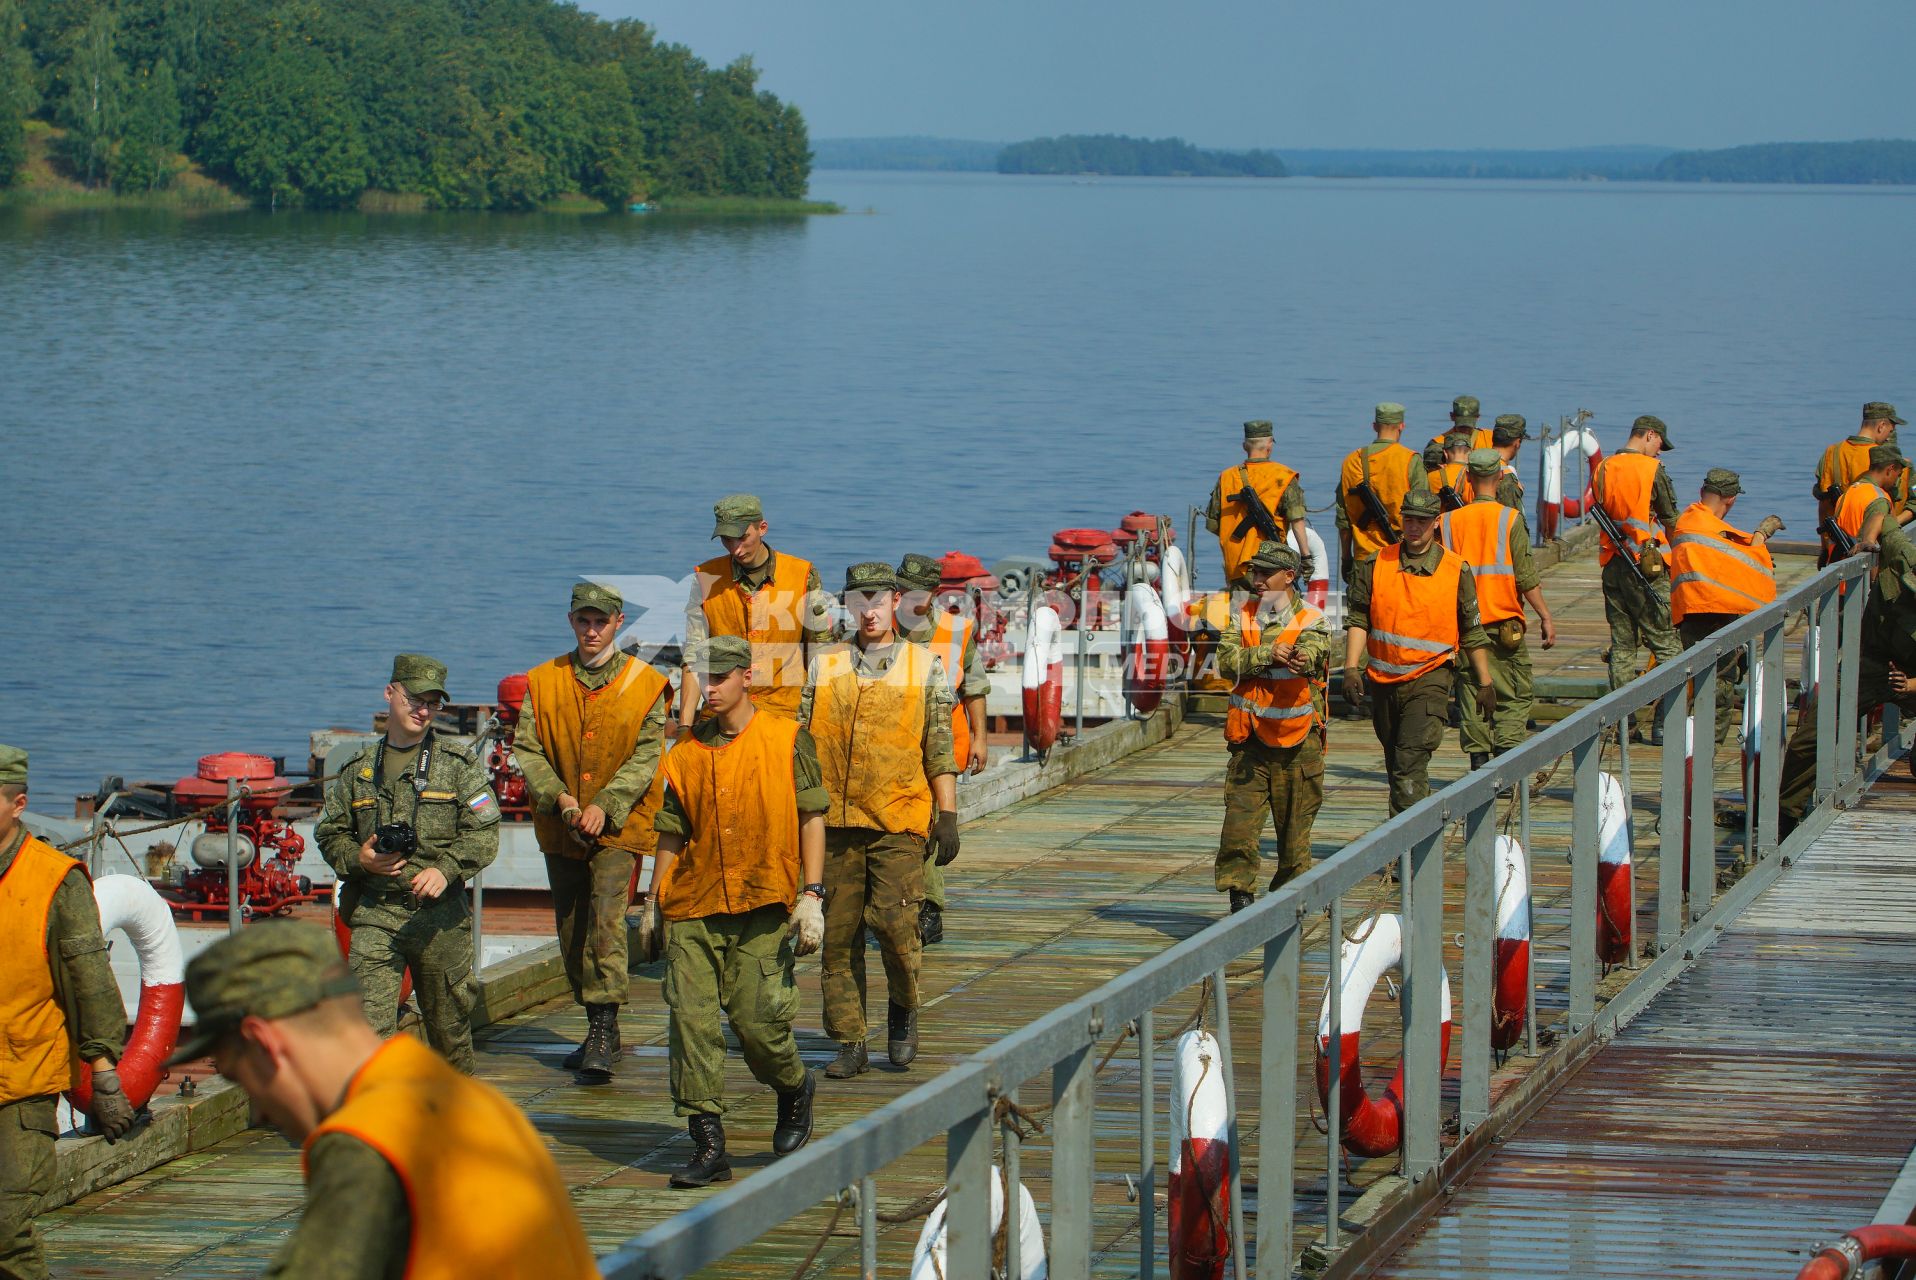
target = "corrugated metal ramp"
x: 1763, y: 1103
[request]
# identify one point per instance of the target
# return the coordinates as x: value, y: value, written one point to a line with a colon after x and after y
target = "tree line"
x: 1836, y: 162
x: 472, y: 104
x: 1120, y: 156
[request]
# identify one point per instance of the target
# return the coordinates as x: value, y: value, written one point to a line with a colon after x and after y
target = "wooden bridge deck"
x: 1050, y: 898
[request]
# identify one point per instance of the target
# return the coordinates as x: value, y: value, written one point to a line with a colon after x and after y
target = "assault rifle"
x: 1625, y: 545
x: 1375, y: 509
x: 1256, y: 514
x: 1451, y: 499
x: 1843, y: 544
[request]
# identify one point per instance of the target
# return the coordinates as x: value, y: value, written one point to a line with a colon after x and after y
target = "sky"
x: 1350, y: 73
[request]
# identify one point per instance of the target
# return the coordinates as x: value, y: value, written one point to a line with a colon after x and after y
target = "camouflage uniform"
x: 1511, y: 428
x: 1291, y: 507
x: 456, y: 818
x: 1639, y: 617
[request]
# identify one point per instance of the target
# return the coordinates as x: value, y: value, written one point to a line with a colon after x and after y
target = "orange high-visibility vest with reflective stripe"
x: 1481, y: 534
x: 948, y: 641
x: 1269, y: 481
x: 1273, y: 702
x: 1714, y: 568
x: 1624, y: 482
x: 1413, y: 617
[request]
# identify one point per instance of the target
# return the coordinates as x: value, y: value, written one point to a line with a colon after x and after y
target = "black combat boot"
x: 852, y: 1058
x: 901, y: 1035
x: 794, y: 1117
x: 572, y: 1060
x: 599, y: 1055
x: 1240, y: 899
x: 931, y: 923
x: 708, y: 1163
x: 1478, y: 759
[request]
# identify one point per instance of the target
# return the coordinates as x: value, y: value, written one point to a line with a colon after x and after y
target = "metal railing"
x: 962, y: 1105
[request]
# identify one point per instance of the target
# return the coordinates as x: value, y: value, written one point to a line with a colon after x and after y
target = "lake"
x: 248, y: 457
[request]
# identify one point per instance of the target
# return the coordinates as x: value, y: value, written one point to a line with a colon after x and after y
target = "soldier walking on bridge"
x: 1635, y: 491
x: 1847, y: 461
x: 1229, y: 513
x: 1718, y: 573
x: 1370, y: 487
x: 1864, y: 510
x: 1507, y: 438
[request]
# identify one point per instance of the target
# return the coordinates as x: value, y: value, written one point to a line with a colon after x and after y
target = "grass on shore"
x: 743, y: 206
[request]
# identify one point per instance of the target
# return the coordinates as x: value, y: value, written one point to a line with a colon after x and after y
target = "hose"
x: 1846, y: 1259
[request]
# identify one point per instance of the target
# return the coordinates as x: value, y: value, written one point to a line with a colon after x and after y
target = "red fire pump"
x: 508, y: 784
x: 1072, y: 551
x: 964, y: 581
x: 266, y: 888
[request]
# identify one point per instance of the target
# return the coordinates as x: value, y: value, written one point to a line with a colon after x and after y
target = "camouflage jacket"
x: 452, y: 809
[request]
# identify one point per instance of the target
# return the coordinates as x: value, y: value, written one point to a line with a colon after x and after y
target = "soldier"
x: 404, y: 1157
x: 880, y: 713
x: 1410, y: 610
x: 590, y: 736
x: 59, y: 1008
x: 1632, y: 486
x: 741, y: 870
x: 1865, y: 506
x: 1492, y: 539
x: 1845, y: 462
x: 404, y: 898
x: 1229, y: 516
x: 1507, y: 437
x: 1447, y: 479
x: 953, y: 638
x: 1465, y: 411
x: 1391, y: 470
x: 1276, y: 651
x: 772, y: 598
x: 1718, y: 573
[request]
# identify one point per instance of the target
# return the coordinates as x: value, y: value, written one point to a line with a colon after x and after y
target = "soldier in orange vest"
x: 1493, y: 539
x: 1866, y: 505
x: 953, y: 639
x: 1410, y: 611
x: 59, y: 1009
x: 1632, y: 486
x: 411, y: 1168
x: 1507, y: 438
x: 1448, y: 473
x: 771, y: 598
x: 1465, y: 413
x: 1276, y: 651
x: 1229, y: 516
x: 1390, y: 470
x: 1846, y: 462
x: 1718, y: 573
x: 590, y: 735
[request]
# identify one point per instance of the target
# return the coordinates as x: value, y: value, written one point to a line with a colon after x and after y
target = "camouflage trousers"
x: 1695, y: 629
x: 1638, y: 619
x: 875, y: 880
x: 1285, y: 783
x: 1510, y: 676
x: 589, y: 898
x: 739, y: 964
x: 1797, y: 788
x: 434, y: 940
x: 26, y: 1175
x: 934, y: 883
x: 1410, y: 717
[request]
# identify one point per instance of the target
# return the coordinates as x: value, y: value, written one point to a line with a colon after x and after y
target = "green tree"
x: 17, y: 95
x: 94, y: 104
x: 286, y: 132
x: 152, y: 134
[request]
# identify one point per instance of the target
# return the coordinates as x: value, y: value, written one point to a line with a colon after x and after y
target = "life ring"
x: 132, y: 906
x: 1555, y: 500
x: 1512, y: 981
x: 1174, y: 590
x: 1146, y: 640
x: 1200, y: 1198
x: 1616, y: 903
x: 1043, y: 679
x: 928, y: 1259
x: 1317, y: 591
x: 345, y: 936
x: 1370, y: 1126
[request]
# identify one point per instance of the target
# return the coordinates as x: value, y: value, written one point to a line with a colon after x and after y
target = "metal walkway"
x: 1760, y: 1105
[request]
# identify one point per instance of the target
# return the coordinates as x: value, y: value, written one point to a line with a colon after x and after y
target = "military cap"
x: 734, y: 514
x: 871, y: 575
x: 1257, y: 429
x: 1388, y: 413
x: 1722, y: 481
x: 1421, y: 502
x: 718, y: 656
x: 1484, y: 462
x: 13, y: 766
x: 1650, y: 422
x: 919, y: 573
x: 593, y: 595
x: 1884, y: 455
x: 1881, y: 411
x: 1434, y: 453
x: 418, y: 674
x: 1458, y: 440
x: 272, y: 969
x: 1272, y: 556
x: 1510, y: 426
x: 1466, y: 408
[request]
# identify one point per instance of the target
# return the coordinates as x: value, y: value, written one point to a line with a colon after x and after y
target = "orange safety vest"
x: 1413, y: 617
x: 1480, y: 437
x: 1389, y: 480
x: 948, y: 641
x: 1269, y: 480
x: 588, y: 734
x: 1843, y: 464
x: 485, y: 1196
x: 1855, y: 503
x: 1452, y: 474
x: 1481, y: 533
x: 1623, y: 483
x: 1714, y: 568
x: 36, y: 1047
x: 772, y: 618
x: 870, y: 734
x: 1276, y: 703
x: 741, y: 801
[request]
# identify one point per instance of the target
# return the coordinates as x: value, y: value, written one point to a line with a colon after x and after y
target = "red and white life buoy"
x: 1043, y: 679
x: 1557, y: 500
x: 1146, y: 640
x: 929, y: 1260
x: 345, y: 936
x: 1370, y: 1126
x: 1317, y: 590
x: 1616, y: 900
x: 132, y: 906
x: 1512, y: 973
x: 1200, y: 1199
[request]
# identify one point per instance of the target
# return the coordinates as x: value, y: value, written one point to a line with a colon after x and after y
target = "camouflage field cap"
x: 594, y: 595
x: 272, y: 969
x: 919, y: 573
x: 733, y: 514
x: 1466, y: 409
x: 1723, y: 482
x: 1484, y: 462
x: 1434, y: 453
x: 1881, y: 411
x: 871, y: 575
x: 417, y: 674
x: 718, y: 656
x: 1257, y: 429
x: 1388, y: 413
x: 1422, y: 502
x: 1272, y: 556
x: 1459, y: 440
x: 1650, y: 422
x: 1510, y: 426
x: 13, y: 766
x: 1885, y: 455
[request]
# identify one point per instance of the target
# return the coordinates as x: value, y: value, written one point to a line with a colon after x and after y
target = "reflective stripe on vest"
x: 772, y: 618
x: 1270, y: 481
x: 1481, y: 534
x: 587, y: 736
x: 870, y: 734
x: 1413, y: 616
x: 1624, y: 484
x: 740, y: 799
x: 1710, y: 572
x: 36, y: 1047
x: 1275, y: 703
x: 948, y: 642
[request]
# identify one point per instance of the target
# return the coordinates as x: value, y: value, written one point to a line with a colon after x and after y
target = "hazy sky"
x: 1333, y: 73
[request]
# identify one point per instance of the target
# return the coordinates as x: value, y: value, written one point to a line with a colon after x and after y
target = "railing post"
x: 232, y: 856
x: 1851, y: 644
x: 1482, y: 887
x: 1147, y: 1148
x: 1702, y: 789
x: 1672, y: 825
x: 968, y: 1194
x: 1828, y: 630
x: 1423, y: 1010
x: 1333, y: 1048
x: 1073, y: 1166
x: 1768, y: 777
x: 1009, y: 1134
x: 1530, y: 918
x: 1583, y: 880
x: 868, y: 1228
x: 1221, y: 1006
x: 1277, y: 1107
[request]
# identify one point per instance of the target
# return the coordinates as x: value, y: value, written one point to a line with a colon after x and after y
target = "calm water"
x: 247, y: 458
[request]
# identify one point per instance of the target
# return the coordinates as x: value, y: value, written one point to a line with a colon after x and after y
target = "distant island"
x: 1122, y: 157
x: 1833, y: 162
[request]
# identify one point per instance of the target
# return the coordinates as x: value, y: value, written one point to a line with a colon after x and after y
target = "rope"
x: 838, y: 1207
x: 108, y: 829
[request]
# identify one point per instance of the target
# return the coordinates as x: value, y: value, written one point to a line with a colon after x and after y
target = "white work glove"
x: 808, y: 924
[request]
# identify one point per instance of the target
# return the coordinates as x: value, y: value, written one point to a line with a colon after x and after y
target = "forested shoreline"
x: 1120, y: 156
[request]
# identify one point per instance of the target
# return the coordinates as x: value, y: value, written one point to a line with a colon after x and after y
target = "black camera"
x: 395, y: 837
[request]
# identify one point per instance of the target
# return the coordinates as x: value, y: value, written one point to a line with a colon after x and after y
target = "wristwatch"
x: 816, y: 890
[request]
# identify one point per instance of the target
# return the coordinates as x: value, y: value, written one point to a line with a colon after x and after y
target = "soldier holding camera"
x: 410, y: 820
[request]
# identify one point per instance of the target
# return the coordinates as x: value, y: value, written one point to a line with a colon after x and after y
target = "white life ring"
x: 1146, y: 640
x: 1200, y: 1193
x: 1370, y: 1126
x: 1317, y: 591
x: 1175, y: 579
x: 132, y: 906
x: 1043, y: 678
x: 1555, y: 501
x: 1616, y: 905
x: 928, y: 1259
x: 1512, y: 966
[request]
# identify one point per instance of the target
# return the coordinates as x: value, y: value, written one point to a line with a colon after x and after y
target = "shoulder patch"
x: 484, y: 807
